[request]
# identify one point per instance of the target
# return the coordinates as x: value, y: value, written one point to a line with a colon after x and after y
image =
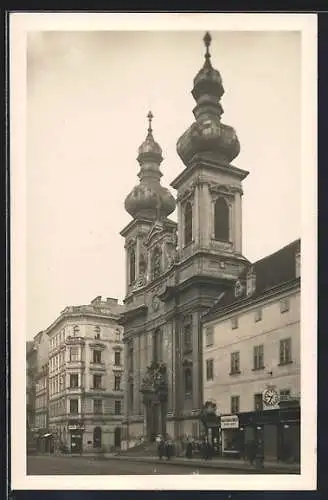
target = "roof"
x: 270, y: 272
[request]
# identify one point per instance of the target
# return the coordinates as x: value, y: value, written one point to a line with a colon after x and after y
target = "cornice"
x: 200, y: 163
x: 246, y: 302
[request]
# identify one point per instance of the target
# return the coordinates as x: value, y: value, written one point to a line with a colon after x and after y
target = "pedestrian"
x: 160, y: 447
x: 251, y: 451
x: 168, y: 449
x: 189, y: 449
x: 259, y: 454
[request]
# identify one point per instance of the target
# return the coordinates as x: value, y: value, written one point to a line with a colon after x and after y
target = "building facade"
x: 41, y: 343
x: 252, y: 357
x: 176, y: 271
x: 85, y: 377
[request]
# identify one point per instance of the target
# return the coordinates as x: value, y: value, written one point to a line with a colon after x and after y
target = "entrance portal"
x: 117, y: 437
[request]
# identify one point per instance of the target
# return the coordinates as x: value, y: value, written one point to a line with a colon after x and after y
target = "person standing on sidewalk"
x: 160, y: 447
x: 189, y: 449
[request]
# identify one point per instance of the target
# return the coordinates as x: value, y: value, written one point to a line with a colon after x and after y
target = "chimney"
x: 111, y: 302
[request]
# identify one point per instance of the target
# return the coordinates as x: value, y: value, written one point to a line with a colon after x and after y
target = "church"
x: 175, y: 272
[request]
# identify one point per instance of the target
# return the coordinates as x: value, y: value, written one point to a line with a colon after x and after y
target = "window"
x: 97, y: 332
x: 74, y: 354
x: 234, y: 362
x: 221, y: 220
x: 97, y: 356
x: 284, y: 305
x: 258, y: 315
x: 132, y: 265
x: 188, y: 381
x: 209, y: 336
x: 209, y: 369
x: 187, y: 337
x: 97, y: 381
x: 285, y: 351
x: 258, y: 402
x: 235, y: 400
x: 188, y: 223
x: 118, y: 407
x: 234, y: 322
x: 284, y: 394
x: 117, y: 358
x: 258, y: 361
x: 156, y: 262
x: 118, y: 335
x: 97, y: 406
x: 117, y: 383
x: 73, y: 380
x: 74, y: 406
x: 76, y: 330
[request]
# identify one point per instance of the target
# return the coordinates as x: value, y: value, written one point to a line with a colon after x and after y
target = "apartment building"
x: 251, y: 357
x: 85, y: 376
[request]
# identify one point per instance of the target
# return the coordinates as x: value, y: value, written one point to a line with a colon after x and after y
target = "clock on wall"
x: 155, y: 303
x: 270, y: 397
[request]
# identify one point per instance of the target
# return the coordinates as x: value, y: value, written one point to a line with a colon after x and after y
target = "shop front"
x: 76, y: 438
x: 278, y: 429
x: 231, y: 436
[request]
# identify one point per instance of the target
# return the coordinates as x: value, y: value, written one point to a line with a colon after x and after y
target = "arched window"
x: 132, y: 265
x: 156, y: 262
x: 188, y: 380
x: 221, y: 220
x: 188, y: 223
x: 97, y: 437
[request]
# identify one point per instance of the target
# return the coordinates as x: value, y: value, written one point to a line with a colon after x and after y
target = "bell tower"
x: 209, y: 189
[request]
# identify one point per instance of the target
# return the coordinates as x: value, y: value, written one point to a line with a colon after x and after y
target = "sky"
x: 88, y: 94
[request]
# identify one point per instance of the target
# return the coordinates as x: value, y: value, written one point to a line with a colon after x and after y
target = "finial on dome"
x: 207, y: 40
x: 150, y: 116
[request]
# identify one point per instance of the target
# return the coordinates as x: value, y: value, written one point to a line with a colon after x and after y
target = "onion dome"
x: 208, y: 135
x: 149, y: 199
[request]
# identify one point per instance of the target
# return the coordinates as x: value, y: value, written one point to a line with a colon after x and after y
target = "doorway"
x: 117, y: 437
x: 97, y: 437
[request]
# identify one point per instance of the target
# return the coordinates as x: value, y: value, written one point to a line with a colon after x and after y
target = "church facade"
x: 175, y: 272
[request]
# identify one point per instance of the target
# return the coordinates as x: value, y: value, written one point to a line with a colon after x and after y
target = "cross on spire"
x: 150, y: 116
x: 207, y: 40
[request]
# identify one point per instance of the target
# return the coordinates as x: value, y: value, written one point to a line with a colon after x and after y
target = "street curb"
x: 205, y: 465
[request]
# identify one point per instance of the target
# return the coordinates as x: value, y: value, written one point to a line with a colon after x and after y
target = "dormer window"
x: 238, y: 289
x: 250, y: 282
x: 298, y: 264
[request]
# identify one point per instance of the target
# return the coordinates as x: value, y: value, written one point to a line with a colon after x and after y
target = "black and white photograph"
x: 163, y: 251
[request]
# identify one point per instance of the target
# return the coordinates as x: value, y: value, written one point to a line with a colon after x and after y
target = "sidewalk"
x: 216, y: 463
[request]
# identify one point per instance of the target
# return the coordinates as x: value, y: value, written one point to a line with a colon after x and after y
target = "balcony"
x: 75, y: 364
x: 75, y: 390
x: 100, y: 366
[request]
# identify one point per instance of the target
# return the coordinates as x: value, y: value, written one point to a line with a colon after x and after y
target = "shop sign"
x: 75, y: 428
x: 229, y: 422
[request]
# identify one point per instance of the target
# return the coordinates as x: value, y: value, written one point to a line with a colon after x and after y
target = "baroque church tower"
x: 175, y: 272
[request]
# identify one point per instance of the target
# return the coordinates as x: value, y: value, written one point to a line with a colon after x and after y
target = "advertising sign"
x: 229, y: 422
